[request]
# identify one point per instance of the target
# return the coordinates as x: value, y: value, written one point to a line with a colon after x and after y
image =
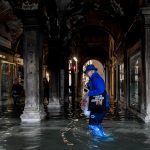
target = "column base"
x: 32, y: 116
x: 147, y: 119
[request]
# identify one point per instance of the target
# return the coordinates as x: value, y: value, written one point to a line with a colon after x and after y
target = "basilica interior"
x: 56, y: 39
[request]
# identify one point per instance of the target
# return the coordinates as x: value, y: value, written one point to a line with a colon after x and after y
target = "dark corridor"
x: 40, y: 39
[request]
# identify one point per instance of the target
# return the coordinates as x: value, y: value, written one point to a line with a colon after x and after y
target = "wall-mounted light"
x: 70, y: 61
x: 47, y: 76
x: 75, y: 59
x: 2, y: 56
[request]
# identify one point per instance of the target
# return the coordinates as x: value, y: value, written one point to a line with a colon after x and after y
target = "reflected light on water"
x: 72, y: 134
x: 31, y: 134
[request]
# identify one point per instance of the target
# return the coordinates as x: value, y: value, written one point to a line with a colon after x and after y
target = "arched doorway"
x: 100, y: 68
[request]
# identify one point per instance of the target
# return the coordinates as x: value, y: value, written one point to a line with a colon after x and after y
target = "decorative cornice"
x: 146, y: 13
x: 4, y: 42
x: 27, y: 5
x: 146, y: 10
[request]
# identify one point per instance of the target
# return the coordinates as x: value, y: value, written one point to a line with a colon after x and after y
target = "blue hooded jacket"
x: 97, y: 86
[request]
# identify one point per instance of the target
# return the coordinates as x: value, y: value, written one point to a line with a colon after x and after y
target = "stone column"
x: 146, y: 13
x: 32, y: 69
x: 62, y: 82
x: 0, y: 88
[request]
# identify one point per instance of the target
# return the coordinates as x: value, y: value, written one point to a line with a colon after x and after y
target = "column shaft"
x: 146, y: 13
x: 32, y: 75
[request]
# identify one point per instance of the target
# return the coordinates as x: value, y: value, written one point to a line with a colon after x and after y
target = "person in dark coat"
x: 98, y: 101
x: 46, y: 91
x: 17, y: 92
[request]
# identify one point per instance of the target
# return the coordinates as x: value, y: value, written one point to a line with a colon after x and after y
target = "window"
x: 121, y: 80
x: 7, y: 76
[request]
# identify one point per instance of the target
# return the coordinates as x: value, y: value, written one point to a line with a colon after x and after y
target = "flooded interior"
x: 45, y: 47
x: 124, y: 130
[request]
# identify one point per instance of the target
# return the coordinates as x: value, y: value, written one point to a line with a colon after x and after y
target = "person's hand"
x: 83, y: 103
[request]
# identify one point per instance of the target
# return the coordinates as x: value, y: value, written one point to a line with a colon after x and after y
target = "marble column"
x: 146, y: 13
x: 0, y: 88
x: 32, y: 71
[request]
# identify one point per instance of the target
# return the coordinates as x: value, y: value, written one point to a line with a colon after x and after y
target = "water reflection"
x: 147, y: 133
x: 77, y: 135
x: 72, y: 134
x: 31, y: 134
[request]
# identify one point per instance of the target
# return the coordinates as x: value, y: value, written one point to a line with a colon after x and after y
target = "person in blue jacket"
x: 98, y: 101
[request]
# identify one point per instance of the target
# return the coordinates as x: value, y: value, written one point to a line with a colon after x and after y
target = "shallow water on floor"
x: 72, y: 134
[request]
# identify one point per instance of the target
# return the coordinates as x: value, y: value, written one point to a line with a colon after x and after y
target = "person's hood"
x: 95, y: 74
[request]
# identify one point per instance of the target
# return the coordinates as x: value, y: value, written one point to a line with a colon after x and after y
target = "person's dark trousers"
x: 16, y: 99
x: 95, y: 121
x: 96, y: 118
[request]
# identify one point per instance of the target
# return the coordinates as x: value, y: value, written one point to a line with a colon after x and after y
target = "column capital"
x: 28, y: 11
x: 146, y: 13
x: 31, y: 18
x: 27, y: 4
x: 146, y: 10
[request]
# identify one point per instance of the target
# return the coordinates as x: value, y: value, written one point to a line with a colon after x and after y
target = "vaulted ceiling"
x: 10, y: 26
x: 97, y: 24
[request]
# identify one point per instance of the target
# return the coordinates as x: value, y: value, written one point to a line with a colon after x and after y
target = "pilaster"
x: 32, y: 46
x: 146, y: 13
